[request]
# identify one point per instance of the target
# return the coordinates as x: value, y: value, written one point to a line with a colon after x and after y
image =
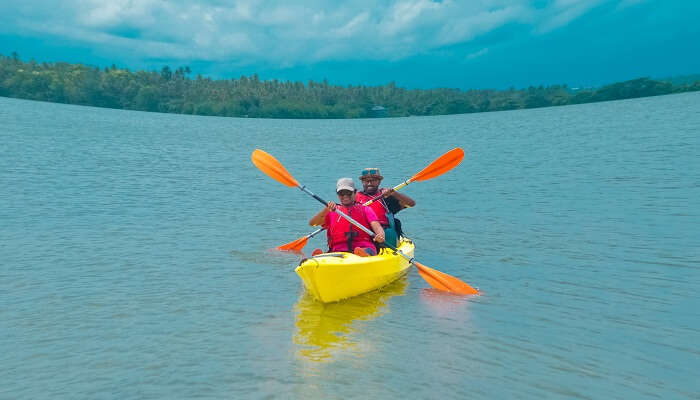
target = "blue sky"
x: 415, y: 43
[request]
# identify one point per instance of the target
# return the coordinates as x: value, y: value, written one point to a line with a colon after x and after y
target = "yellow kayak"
x: 331, y: 277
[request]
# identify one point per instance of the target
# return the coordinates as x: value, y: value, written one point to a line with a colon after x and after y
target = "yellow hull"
x: 331, y: 277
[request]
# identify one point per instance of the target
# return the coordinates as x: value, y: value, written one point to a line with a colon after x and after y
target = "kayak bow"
x: 336, y: 276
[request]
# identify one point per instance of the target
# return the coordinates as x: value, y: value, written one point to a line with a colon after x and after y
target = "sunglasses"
x: 344, y: 193
x: 370, y: 172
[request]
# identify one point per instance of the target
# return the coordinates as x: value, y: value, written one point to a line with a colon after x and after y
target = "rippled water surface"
x: 135, y: 262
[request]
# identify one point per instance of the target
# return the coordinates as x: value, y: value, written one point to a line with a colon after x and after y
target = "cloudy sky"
x: 416, y: 43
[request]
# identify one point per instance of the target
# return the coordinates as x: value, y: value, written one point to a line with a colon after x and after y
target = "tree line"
x: 175, y: 91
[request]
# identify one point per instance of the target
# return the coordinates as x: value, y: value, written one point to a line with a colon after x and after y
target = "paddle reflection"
x: 443, y: 304
x: 324, y: 330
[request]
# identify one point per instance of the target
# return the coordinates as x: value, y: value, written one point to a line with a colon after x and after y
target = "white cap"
x: 345, y: 184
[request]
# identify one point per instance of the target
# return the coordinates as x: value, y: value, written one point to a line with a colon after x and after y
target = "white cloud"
x: 353, y: 27
x: 406, y: 14
x: 562, y: 12
x: 477, y: 54
x: 481, y: 22
x: 116, y: 12
x: 281, y: 32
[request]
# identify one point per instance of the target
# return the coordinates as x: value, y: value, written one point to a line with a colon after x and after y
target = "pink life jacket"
x: 338, y: 227
x: 377, y: 206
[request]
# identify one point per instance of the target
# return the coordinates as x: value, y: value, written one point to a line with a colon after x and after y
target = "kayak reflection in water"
x: 342, y: 235
x: 325, y: 330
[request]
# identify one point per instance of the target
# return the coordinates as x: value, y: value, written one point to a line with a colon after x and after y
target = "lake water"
x: 135, y: 261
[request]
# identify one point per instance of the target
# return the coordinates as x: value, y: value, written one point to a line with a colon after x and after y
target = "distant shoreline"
x: 173, y: 91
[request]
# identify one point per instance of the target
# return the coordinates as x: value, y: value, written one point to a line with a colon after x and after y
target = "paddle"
x: 439, y: 280
x: 299, y: 244
x: 436, y: 168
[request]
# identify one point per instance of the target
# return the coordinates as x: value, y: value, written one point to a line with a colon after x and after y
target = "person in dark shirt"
x: 386, y: 206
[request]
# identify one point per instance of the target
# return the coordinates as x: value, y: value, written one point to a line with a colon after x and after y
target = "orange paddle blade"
x: 273, y: 168
x: 443, y: 281
x: 296, y: 245
x: 438, y: 167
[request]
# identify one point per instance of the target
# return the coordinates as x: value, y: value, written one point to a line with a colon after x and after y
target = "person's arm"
x: 378, y: 231
x: 374, y: 224
x: 320, y: 218
x: 404, y: 201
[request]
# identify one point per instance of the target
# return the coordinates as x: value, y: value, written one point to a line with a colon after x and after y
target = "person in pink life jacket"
x: 391, y: 203
x: 342, y: 235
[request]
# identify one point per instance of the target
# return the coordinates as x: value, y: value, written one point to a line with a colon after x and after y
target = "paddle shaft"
x: 347, y: 217
x: 395, y: 188
x: 316, y: 232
